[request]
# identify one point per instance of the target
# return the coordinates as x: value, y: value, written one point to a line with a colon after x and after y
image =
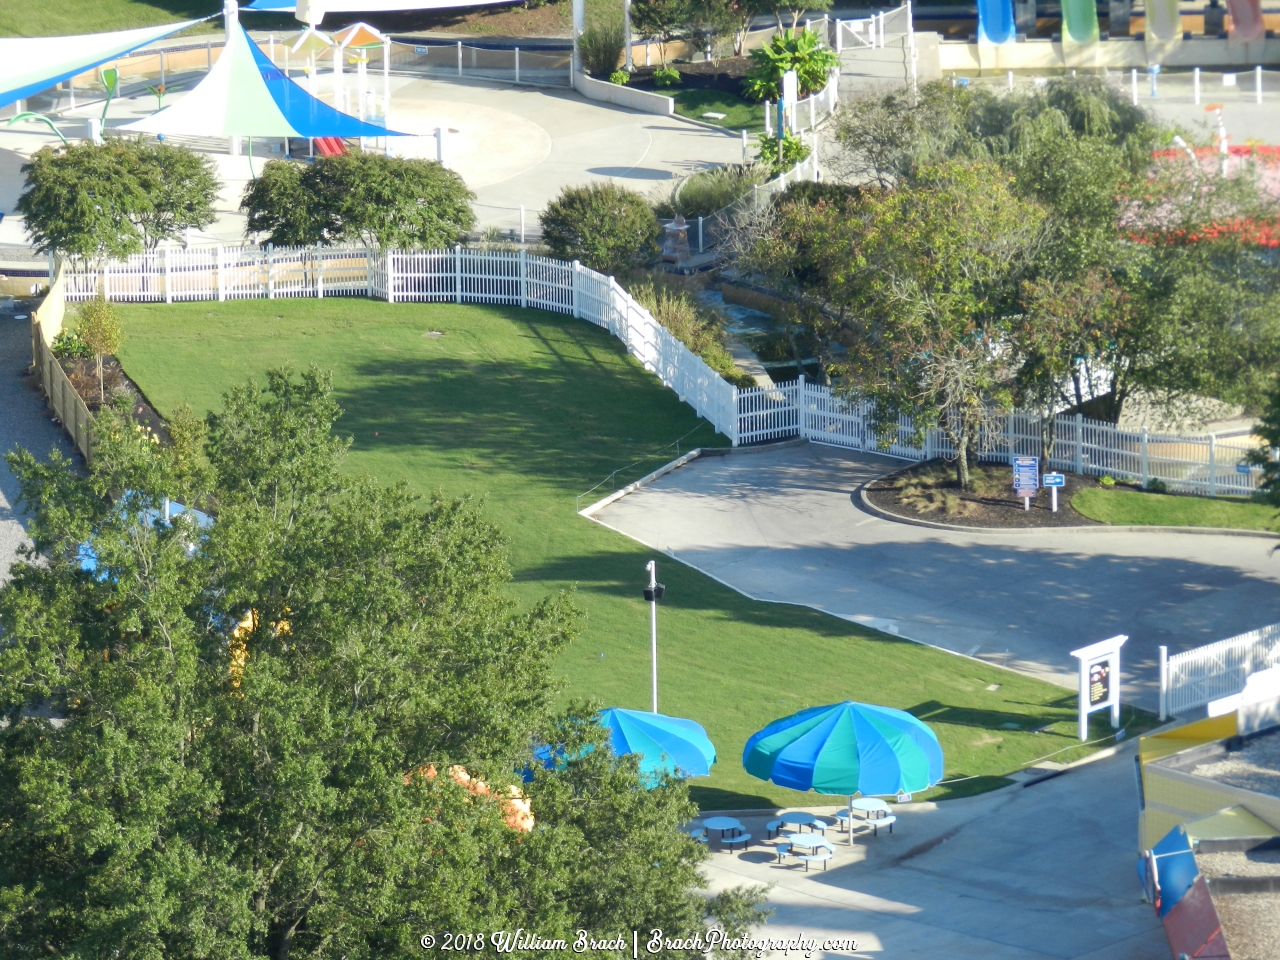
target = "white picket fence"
x: 460, y: 275
x: 1196, y: 677
x: 1192, y: 464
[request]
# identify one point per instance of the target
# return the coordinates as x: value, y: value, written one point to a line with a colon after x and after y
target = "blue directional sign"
x: 1026, y: 475
x: 1055, y: 480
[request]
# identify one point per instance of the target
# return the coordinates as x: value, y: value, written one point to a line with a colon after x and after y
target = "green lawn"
x: 40, y: 18
x: 739, y: 113
x: 1120, y: 506
x: 528, y: 409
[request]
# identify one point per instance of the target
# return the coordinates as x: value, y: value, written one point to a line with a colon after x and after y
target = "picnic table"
x: 723, y: 825
x: 818, y: 849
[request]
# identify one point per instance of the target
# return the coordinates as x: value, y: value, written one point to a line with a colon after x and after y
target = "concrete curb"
x: 590, y: 511
x: 866, y: 504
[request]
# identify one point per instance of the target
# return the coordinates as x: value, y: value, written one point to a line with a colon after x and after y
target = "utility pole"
x: 653, y: 593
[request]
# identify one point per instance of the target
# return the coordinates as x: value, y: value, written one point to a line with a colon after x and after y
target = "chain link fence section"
x: 442, y: 60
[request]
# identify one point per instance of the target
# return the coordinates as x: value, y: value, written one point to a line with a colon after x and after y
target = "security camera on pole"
x: 653, y: 593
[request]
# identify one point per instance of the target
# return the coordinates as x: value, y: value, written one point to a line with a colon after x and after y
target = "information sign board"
x: 1055, y: 480
x: 1099, y: 680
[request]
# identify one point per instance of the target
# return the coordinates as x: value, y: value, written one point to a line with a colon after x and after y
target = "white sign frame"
x: 1095, y: 654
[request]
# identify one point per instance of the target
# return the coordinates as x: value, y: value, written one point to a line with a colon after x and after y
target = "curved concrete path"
x: 783, y: 524
x: 25, y: 422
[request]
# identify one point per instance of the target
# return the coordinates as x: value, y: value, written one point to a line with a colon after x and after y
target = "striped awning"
x: 31, y: 64
x: 246, y: 95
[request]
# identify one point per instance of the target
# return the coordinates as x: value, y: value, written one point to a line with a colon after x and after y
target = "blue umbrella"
x: 846, y: 748
x: 665, y: 744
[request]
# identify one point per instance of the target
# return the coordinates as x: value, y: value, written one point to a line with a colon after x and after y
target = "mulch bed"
x: 724, y: 75
x: 84, y: 377
x: 992, y: 510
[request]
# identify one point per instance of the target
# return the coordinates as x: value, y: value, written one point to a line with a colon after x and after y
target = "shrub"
x: 707, y: 191
x: 99, y: 327
x: 802, y: 52
x: 794, y: 150
x: 601, y: 48
x: 362, y: 197
x: 1156, y: 485
x: 620, y: 77
x: 694, y: 326
x: 824, y: 191
x: 68, y: 345
x: 665, y: 77
x: 607, y: 227
x: 1106, y: 480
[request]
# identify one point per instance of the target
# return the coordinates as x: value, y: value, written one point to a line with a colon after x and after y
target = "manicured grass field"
x: 739, y: 113
x: 526, y: 410
x: 1119, y: 506
x: 39, y: 18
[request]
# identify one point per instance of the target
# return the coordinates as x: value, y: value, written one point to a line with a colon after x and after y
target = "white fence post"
x: 524, y: 278
x: 1143, y: 458
x: 391, y: 283
x: 222, y: 284
x: 271, y: 271
x: 576, y: 267
x: 1213, y: 480
x: 457, y: 272
x: 1164, y: 683
x: 168, y: 275
x: 1079, y: 443
x: 319, y: 276
x: 368, y: 272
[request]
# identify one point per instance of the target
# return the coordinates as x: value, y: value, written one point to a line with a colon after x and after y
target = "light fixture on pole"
x: 653, y: 593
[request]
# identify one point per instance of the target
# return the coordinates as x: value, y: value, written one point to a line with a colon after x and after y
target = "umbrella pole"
x: 850, y: 821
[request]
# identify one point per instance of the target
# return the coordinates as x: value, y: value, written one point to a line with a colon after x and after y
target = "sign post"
x: 1100, y: 680
x: 1026, y: 478
x: 1053, y: 481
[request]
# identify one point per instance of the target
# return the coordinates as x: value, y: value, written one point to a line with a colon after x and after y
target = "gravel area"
x: 1256, y: 767
x: 1254, y: 863
x: 1251, y: 923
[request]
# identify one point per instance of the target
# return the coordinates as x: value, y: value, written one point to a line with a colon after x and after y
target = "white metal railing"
x: 1193, y: 678
x: 1203, y: 465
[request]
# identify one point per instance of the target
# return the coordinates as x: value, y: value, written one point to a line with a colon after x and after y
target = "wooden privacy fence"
x: 1193, y: 464
x: 63, y: 399
x: 1193, y: 678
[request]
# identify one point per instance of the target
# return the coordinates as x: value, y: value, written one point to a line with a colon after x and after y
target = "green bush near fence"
x: 527, y: 409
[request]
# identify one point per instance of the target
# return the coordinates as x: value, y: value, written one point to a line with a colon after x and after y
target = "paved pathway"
x: 1029, y: 873
x: 24, y: 422
x: 783, y: 524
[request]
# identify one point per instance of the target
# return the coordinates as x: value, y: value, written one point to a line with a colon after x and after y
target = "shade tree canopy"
x: 227, y: 739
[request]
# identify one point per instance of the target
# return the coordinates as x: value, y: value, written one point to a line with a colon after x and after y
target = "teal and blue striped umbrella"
x: 846, y: 748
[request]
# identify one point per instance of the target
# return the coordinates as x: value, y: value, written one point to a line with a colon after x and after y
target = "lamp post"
x: 653, y: 593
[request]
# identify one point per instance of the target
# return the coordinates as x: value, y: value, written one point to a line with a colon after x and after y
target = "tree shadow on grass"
x: 933, y: 711
x: 713, y: 798
x: 563, y: 419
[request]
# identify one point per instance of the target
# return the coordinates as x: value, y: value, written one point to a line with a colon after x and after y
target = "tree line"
x: 987, y: 250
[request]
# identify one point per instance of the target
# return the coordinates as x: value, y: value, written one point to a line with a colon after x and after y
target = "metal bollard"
x: 1257, y: 84
x: 459, y: 58
x: 1133, y: 75
x: 1010, y: 79
x: 517, y: 64
x: 1195, y: 85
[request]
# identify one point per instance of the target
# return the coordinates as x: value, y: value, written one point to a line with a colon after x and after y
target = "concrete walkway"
x: 513, y: 145
x: 783, y: 524
x: 25, y: 422
x: 1029, y: 873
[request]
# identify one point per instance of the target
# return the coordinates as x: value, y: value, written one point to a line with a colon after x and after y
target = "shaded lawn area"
x: 1119, y: 506
x: 39, y: 18
x: 739, y: 114
x: 528, y: 409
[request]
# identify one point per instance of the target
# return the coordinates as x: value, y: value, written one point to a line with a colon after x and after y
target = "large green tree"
x: 359, y: 197
x: 231, y: 740
x: 94, y: 201
x: 915, y: 290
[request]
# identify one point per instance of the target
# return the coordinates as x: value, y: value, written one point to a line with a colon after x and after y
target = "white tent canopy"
x: 31, y: 64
